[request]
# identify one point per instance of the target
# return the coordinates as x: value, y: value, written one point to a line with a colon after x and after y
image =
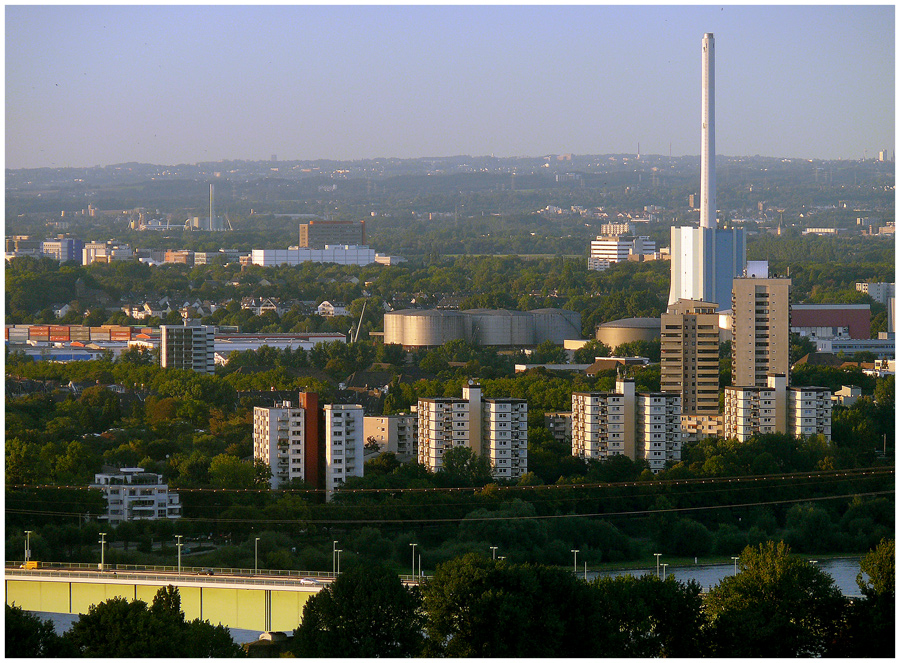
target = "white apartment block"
x: 344, y: 444
x: 133, y: 494
x: 775, y: 408
x: 279, y: 441
x: 190, y: 347
x: 641, y: 426
x: 504, y: 437
x: 659, y: 435
x: 610, y: 249
x: 495, y: 428
x: 395, y: 433
x: 809, y: 411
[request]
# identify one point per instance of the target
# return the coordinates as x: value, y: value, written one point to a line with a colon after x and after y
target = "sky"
x: 168, y: 84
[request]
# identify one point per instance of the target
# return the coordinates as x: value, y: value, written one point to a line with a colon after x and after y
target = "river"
x: 843, y: 570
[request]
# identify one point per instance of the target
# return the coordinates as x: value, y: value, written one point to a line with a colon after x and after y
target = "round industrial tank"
x: 555, y: 325
x: 499, y: 327
x: 423, y: 328
x: 628, y: 330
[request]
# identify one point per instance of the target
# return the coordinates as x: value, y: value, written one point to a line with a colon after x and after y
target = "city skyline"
x: 168, y: 84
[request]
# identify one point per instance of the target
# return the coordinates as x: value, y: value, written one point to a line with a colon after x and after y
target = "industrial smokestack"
x: 212, y: 206
x: 708, y: 135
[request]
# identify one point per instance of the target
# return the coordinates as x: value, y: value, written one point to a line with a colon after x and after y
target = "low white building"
x: 133, y: 494
x: 340, y: 254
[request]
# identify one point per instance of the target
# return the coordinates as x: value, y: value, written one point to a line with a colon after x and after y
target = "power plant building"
x: 628, y: 330
x: 707, y: 258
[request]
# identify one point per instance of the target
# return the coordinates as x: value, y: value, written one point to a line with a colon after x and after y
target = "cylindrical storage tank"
x: 628, y: 330
x: 490, y: 327
x: 555, y: 325
x: 423, y: 328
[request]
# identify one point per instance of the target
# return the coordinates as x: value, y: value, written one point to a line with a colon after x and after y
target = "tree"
x: 29, y: 636
x: 118, y: 628
x: 463, y: 467
x: 477, y: 607
x: 366, y: 612
x: 776, y: 606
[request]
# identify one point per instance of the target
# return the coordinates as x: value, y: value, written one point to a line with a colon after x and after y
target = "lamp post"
x: 420, y: 569
x: 178, y: 545
x: 27, y: 544
x: 339, y: 551
x: 413, y: 559
x: 256, y: 556
x: 575, y: 561
x: 494, y: 552
x: 664, y: 571
x: 333, y: 558
x: 735, y: 564
x: 657, y: 564
x: 585, y: 571
x: 102, y: 551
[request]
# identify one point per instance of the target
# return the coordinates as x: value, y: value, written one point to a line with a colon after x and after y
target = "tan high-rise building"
x: 318, y: 234
x: 690, y: 355
x: 761, y: 324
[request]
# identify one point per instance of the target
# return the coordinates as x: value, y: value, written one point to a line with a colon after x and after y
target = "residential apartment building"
x: 776, y: 408
x: 395, y: 433
x: 190, y: 347
x: 344, y: 444
x: 761, y: 324
x: 495, y: 428
x: 689, y: 359
x: 133, y: 494
x: 640, y: 426
x: 279, y: 440
x: 559, y: 424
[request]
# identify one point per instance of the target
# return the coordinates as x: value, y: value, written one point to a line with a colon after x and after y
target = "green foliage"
x: 119, y: 628
x: 463, y: 467
x: 366, y: 612
x: 879, y: 568
x: 776, y: 606
x: 476, y: 607
x: 29, y: 636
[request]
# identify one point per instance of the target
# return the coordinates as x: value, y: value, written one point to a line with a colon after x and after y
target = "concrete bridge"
x: 236, y: 598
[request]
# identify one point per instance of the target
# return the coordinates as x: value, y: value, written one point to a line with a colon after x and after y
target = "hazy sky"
x: 97, y: 85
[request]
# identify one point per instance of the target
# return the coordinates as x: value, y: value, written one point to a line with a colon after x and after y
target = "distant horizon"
x: 171, y: 84
x: 871, y: 157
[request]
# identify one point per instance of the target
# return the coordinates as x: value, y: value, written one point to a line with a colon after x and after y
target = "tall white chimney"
x: 212, y: 206
x: 708, y: 135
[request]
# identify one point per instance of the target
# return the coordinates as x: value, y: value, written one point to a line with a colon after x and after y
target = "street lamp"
x: 735, y: 564
x: 339, y: 551
x: 420, y: 568
x: 102, y: 550
x: 333, y: 556
x: 178, y: 545
x: 494, y: 552
x: 575, y: 561
x: 664, y: 570
x: 27, y: 544
x: 657, y: 564
x: 413, y: 559
x: 256, y: 556
x: 585, y: 571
